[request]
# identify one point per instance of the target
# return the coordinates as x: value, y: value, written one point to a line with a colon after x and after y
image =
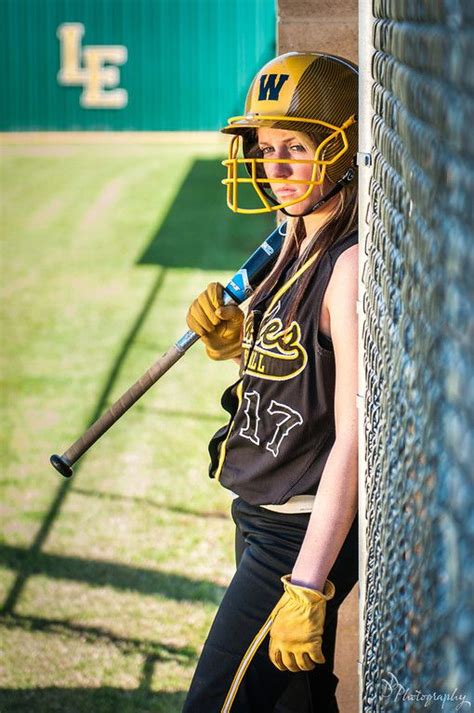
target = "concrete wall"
x: 318, y: 25
x: 329, y: 26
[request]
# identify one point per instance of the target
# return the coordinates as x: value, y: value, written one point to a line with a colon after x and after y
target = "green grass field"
x: 109, y: 581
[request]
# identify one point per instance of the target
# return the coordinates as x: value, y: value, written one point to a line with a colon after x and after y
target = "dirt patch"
x: 106, y: 198
x: 110, y: 137
x: 46, y: 214
x: 21, y: 149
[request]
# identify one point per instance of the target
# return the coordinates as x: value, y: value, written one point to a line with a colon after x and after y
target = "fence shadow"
x: 99, y: 573
x: 106, y: 699
x: 127, y: 645
x: 148, y: 502
x: 198, y: 232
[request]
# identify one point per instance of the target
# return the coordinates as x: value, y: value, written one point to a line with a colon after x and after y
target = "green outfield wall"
x: 130, y: 64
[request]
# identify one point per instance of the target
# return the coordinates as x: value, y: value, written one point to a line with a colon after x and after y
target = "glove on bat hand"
x: 219, y: 327
x: 297, y: 628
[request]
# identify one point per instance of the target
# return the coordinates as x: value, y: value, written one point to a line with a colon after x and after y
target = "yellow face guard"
x: 318, y: 173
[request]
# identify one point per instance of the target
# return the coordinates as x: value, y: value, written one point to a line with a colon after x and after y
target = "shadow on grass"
x: 200, y: 231
x: 151, y: 650
x: 64, y: 486
x: 169, y: 413
x: 88, y: 700
x: 150, y: 503
x: 97, y: 573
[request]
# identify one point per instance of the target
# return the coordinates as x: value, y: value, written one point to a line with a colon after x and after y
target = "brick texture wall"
x: 318, y: 25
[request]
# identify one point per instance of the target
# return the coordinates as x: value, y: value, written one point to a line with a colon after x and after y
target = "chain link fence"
x: 418, y: 334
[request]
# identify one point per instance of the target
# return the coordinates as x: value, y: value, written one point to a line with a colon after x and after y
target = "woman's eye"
x: 266, y: 149
x: 298, y: 147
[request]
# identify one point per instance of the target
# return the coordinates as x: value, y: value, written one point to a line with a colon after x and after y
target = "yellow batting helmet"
x: 314, y: 93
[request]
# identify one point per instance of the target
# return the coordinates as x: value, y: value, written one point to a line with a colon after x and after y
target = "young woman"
x: 289, y: 451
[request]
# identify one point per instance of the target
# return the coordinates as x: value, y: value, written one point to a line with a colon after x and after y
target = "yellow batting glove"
x: 219, y: 326
x: 296, y: 633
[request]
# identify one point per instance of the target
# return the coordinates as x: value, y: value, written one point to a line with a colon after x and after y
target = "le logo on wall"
x: 93, y: 67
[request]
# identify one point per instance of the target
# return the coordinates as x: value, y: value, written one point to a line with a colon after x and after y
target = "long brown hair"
x: 341, y: 222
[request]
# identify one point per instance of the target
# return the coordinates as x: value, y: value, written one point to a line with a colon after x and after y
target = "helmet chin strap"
x: 339, y: 185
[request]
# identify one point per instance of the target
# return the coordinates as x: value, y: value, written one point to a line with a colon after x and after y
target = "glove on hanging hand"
x: 219, y: 327
x: 297, y: 628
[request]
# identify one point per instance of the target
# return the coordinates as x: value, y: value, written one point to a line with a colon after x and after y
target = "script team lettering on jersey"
x: 277, y: 353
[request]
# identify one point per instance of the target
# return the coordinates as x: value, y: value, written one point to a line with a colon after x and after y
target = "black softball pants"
x: 267, y: 545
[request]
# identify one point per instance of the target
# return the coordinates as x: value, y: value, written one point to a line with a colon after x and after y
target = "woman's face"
x: 289, y: 145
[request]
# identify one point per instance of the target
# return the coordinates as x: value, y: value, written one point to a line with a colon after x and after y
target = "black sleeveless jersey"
x: 282, y: 427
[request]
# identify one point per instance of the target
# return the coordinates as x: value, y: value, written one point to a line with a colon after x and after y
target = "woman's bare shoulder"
x: 344, y: 278
x: 347, y: 259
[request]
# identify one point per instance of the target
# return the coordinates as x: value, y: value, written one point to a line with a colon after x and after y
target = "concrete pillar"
x: 318, y: 26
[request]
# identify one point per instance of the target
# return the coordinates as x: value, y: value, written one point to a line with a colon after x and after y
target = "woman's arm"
x: 335, y: 505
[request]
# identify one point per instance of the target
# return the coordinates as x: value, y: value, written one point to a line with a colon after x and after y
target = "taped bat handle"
x: 64, y: 463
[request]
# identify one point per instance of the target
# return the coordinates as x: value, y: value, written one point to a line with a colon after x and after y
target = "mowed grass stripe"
x: 104, y: 252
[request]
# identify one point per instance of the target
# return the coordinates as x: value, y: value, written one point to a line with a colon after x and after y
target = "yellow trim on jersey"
x: 244, y: 664
x: 279, y: 357
x: 281, y: 291
x: 222, y: 450
x: 274, y: 377
x: 284, y: 288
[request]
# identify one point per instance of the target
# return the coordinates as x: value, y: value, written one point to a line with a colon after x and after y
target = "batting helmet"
x: 314, y: 93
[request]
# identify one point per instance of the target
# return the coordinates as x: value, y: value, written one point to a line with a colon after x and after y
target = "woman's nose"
x: 278, y: 170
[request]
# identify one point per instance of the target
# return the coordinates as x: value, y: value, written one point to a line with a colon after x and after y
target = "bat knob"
x: 61, y: 465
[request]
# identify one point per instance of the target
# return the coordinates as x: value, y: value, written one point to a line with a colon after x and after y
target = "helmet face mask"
x: 254, y: 173
x: 314, y: 94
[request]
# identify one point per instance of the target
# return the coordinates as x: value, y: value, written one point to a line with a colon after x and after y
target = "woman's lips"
x: 284, y: 192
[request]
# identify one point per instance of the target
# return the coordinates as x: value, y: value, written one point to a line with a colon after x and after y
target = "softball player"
x: 289, y: 451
